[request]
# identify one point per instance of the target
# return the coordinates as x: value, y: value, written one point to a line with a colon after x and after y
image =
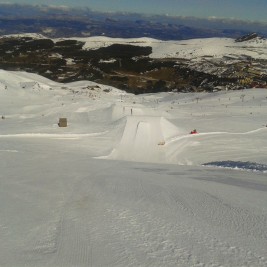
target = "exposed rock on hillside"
x: 248, y: 37
x: 132, y: 65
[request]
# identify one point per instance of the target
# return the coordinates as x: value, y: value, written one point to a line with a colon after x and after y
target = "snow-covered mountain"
x: 142, y: 65
x: 124, y: 183
x: 255, y: 47
x: 188, y: 49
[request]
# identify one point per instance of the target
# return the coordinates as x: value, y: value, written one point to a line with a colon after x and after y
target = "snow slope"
x: 123, y: 184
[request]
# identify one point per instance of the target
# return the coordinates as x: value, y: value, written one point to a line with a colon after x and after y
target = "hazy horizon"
x: 235, y: 9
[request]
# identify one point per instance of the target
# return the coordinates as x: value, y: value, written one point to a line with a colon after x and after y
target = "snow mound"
x: 250, y: 166
x: 143, y: 139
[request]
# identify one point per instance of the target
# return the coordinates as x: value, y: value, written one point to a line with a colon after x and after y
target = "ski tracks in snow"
x: 74, y: 241
x: 163, y: 230
x: 146, y: 222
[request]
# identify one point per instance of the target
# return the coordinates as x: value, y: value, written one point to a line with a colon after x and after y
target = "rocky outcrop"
x: 248, y: 37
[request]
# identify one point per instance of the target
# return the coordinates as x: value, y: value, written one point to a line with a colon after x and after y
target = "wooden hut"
x: 62, y: 122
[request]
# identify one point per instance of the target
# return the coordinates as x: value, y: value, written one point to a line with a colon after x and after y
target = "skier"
x: 194, y: 132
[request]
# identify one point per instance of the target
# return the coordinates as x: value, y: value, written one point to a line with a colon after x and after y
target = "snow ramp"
x: 143, y: 139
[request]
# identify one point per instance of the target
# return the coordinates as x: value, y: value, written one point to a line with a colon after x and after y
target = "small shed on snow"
x: 62, y: 122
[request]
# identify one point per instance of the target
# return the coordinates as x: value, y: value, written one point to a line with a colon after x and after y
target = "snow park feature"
x: 141, y: 138
x: 126, y: 184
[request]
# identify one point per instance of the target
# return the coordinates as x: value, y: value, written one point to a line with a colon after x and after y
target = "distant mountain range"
x: 66, y: 44
x: 56, y: 22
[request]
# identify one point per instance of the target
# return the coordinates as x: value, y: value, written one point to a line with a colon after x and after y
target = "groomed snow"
x: 124, y: 184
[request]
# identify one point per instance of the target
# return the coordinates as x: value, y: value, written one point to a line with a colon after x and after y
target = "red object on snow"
x: 194, y: 132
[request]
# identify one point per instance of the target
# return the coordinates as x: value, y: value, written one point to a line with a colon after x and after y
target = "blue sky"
x: 237, y: 9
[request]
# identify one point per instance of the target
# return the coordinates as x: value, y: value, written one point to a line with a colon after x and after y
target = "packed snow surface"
x: 124, y: 183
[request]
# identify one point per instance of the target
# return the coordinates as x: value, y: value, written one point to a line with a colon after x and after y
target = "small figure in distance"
x: 194, y: 132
